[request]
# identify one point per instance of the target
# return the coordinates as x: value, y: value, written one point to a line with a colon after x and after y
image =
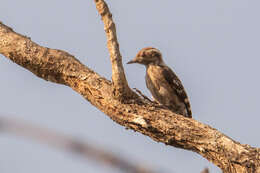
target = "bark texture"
x: 134, y: 112
x: 120, y: 84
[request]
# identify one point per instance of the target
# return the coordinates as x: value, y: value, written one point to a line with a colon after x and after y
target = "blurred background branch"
x: 70, y: 144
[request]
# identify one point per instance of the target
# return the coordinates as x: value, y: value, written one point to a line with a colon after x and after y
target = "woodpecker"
x: 164, y: 85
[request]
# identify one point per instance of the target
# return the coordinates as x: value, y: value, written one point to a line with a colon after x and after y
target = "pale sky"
x: 213, y: 46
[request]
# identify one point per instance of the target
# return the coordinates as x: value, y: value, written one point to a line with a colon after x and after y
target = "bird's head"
x: 148, y: 56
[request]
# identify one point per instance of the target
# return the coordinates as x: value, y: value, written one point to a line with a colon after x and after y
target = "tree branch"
x: 120, y: 84
x: 158, y: 123
x: 59, y: 141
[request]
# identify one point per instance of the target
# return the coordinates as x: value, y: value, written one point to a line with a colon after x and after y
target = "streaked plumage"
x: 164, y: 85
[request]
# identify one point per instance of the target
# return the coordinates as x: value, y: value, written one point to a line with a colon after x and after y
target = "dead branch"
x: 120, y: 84
x: 158, y: 123
x: 69, y: 144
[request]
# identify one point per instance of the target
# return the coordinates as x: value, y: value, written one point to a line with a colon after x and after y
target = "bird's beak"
x: 133, y: 61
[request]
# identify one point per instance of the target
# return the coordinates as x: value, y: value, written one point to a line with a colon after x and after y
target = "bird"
x: 164, y: 85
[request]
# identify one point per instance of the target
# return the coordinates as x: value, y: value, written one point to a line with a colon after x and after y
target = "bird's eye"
x: 155, y: 54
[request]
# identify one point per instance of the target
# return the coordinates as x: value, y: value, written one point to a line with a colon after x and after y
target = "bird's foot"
x: 142, y: 95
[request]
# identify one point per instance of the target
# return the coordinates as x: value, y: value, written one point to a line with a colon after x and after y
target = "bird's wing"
x: 177, y: 86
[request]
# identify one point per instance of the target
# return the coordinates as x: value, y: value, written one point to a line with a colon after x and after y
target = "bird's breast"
x: 158, y: 86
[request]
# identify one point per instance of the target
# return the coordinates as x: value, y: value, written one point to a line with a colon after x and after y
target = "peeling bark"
x: 134, y: 112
